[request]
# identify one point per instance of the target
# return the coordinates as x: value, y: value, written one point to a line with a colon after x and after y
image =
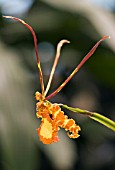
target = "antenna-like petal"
x: 77, y: 68
x: 35, y: 46
x: 55, y: 63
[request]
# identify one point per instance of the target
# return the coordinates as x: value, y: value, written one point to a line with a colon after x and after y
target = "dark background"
x: 83, y: 23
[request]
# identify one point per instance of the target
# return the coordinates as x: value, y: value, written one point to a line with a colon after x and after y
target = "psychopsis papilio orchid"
x: 52, y: 117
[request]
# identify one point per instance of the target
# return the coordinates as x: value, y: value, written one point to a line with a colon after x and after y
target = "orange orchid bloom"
x: 51, y: 115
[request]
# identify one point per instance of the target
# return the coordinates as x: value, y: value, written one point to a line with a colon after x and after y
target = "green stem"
x: 95, y: 116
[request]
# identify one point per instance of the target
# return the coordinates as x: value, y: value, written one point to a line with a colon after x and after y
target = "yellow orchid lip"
x: 48, y: 131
